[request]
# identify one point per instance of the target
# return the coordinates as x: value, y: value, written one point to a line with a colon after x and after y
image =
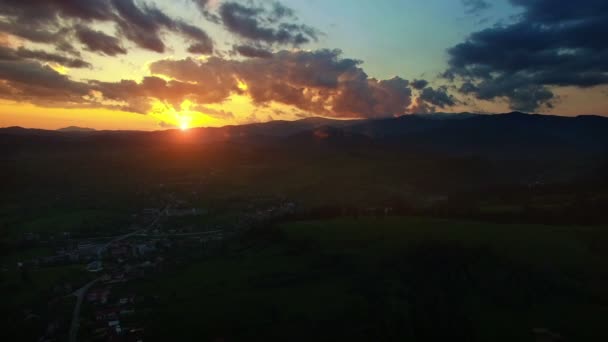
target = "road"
x: 183, y: 234
x: 126, y: 236
x: 81, y: 292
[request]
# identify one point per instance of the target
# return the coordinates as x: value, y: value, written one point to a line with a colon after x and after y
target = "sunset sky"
x: 156, y: 64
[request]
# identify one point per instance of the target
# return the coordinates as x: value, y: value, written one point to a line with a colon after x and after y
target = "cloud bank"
x: 549, y: 45
x: 320, y: 82
x: 267, y: 61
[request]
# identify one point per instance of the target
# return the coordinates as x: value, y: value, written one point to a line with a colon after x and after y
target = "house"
x: 181, y: 212
x: 91, y: 250
x: 151, y: 211
x: 95, y: 266
x: 140, y: 250
x: 134, y: 335
x: 546, y: 335
x: 54, y: 260
x: 98, y: 295
x: 126, y: 312
x: 117, y: 277
x: 107, y: 314
x: 31, y: 236
x: 115, y: 326
x: 119, y: 251
x: 126, y: 300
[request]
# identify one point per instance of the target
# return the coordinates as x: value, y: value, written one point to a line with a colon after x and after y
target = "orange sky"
x: 162, y: 116
x: 574, y: 102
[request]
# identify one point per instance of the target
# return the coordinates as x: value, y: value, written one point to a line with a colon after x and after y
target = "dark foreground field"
x: 389, y: 279
x: 473, y: 228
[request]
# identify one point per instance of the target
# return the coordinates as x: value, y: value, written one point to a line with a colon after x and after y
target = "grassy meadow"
x: 390, y: 279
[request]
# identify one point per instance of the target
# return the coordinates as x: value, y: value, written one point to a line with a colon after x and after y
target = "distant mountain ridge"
x: 76, y: 129
x: 510, y: 135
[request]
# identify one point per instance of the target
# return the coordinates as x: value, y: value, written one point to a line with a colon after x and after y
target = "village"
x: 106, y: 307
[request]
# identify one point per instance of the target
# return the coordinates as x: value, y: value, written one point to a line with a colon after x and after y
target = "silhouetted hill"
x: 511, y: 136
x: 329, y: 136
x: 76, y: 129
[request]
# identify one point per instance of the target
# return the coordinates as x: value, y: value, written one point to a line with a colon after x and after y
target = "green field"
x: 36, y: 293
x: 389, y: 279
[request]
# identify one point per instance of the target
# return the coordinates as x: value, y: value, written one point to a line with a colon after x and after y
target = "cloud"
x: 419, y: 84
x: 438, y: 97
x: 202, y: 4
x: 32, y: 82
x: 276, y: 24
x: 143, y: 26
x: 40, y: 55
x: 475, y: 7
x: 548, y: 46
x: 215, y: 113
x: 99, y: 41
x: 319, y: 81
x: 139, y: 97
x: 252, y: 51
x: 58, y: 21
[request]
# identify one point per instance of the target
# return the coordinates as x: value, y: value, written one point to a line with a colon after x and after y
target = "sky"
x: 158, y: 64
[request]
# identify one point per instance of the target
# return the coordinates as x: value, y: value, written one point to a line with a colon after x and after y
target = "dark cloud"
x: 43, y: 56
x: 263, y: 24
x: 200, y: 48
x: 280, y: 11
x: 99, y: 41
x: 419, y: 84
x: 32, y: 82
x: 523, y: 94
x: 201, y: 42
x: 475, y: 7
x: 87, y: 10
x: 202, y: 4
x: 252, y: 51
x: 47, y: 11
x: 51, y: 57
x: 549, y: 45
x: 438, y: 97
x: 143, y: 27
x: 48, y: 21
x: 56, y: 21
x: 139, y: 26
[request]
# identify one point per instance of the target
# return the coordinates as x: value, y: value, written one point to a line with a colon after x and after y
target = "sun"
x: 183, y: 117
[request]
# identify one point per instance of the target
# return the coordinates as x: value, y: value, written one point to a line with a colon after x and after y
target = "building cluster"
x: 110, y: 312
x: 112, y: 315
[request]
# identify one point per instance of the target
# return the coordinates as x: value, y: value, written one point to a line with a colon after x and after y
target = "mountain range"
x: 510, y: 135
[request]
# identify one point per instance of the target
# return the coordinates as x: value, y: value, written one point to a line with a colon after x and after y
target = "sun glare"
x: 183, y: 117
x: 242, y: 85
x: 59, y: 68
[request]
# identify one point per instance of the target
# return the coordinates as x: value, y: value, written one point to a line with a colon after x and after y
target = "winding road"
x: 81, y: 292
